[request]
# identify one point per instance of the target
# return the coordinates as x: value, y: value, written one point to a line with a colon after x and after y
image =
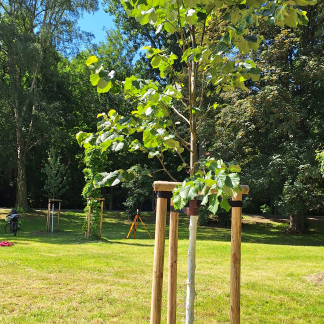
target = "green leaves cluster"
x: 95, y: 162
x: 240, y: 18
x: 216, y: 186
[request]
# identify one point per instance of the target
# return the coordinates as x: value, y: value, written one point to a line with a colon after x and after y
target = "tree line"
x: 271, y: 126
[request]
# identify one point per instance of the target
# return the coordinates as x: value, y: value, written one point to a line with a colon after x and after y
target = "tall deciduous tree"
x: 162, y: 105
x: 28, y: 32
x: 275, y: 131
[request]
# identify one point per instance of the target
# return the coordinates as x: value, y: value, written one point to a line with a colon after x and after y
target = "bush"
x: 139, y: 190
x: 222, y: 217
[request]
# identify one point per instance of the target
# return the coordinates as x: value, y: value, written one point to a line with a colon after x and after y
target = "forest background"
x: 274, y: 130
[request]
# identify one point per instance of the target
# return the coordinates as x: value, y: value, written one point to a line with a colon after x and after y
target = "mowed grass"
x: 61, y: 277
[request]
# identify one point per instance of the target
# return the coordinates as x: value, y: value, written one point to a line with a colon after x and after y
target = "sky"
x: 96, y: 23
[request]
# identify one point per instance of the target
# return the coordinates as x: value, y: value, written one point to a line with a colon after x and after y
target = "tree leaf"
x: 105, y: 179
x: 117, y: 146
x: 225, y: 205
x: 156, y: 61
x: 221, y: 179
x: 103, y: 86
x: 94, y: 79
x: 92, y: 59
x: 191, y: 3
x: 213, y: 203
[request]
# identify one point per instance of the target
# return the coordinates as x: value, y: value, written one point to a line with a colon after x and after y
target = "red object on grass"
x: 5, y: 243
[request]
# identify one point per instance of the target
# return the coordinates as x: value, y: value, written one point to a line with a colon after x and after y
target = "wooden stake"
x: 100, y: 229
x: 48, y: 216
x: 236, y: 261
x: 173, y: 255
x: 89, y: 218
x: 58, y: 216
x: 156, y: 302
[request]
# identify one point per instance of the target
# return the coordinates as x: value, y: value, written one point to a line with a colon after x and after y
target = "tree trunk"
x: 191, y: 292
x: 297, y: 223
x: 21, y: 198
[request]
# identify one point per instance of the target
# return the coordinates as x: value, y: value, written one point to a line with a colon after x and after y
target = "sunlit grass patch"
x: 61, y: 277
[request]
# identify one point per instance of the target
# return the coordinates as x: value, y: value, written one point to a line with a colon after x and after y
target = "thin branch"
x: 178, y: 113
x: 184, y: 143
x: 202, y: 91
x: 165, y: 169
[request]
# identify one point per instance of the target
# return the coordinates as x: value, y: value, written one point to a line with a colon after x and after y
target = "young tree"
x: 57, y: 180
x: 183, y: 98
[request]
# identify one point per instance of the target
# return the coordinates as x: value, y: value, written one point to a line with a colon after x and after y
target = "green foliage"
x: 57, y: 175
x: 164, y: 104
x: 219, y: 183
x: 94, y: 161
x: 31, y: 32
x: 265, y: 209
x: 320, y: 159
x: 138, y: 190
x: 275, y: 130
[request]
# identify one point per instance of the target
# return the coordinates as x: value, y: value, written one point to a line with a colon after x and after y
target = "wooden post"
x: 100, y: 228
x: 89, y: 218
x: 162, y: 187
x: 156, y: 301
x: 48, y: 216
x: 236, y: 258
x: 173, y: 255
x: 58, y: 216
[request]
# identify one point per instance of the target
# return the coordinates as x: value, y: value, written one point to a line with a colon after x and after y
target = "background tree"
x: 29, y: 31
x: 275, y: 131
x: 57, y: 177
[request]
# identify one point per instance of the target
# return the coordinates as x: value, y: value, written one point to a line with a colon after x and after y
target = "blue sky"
x: 96, y: 23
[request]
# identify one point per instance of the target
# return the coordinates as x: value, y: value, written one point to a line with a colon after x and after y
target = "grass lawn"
x: 62, y: 278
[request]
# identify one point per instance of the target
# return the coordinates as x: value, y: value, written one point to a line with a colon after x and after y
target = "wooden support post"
x: 58, y: 216
x: 48, y: 216
x: 89, y: 219
x: 236, y: 258
x: 173, y: 264
x: 156, y: 301
x: 164, y: 187
x: 100, y: 228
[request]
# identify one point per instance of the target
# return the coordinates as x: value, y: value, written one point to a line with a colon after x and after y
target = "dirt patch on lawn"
x: 263, y: 219
x: 315, y: 278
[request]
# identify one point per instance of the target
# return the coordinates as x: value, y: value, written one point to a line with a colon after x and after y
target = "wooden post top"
x: 169, y: 186
x: 99, y: 199
x: 52, y: 200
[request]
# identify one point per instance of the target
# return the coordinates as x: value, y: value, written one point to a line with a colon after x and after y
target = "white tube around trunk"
x: 52, y: 217
x: 191, y: 293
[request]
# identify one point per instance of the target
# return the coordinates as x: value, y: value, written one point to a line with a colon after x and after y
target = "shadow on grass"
x: 116, y: 228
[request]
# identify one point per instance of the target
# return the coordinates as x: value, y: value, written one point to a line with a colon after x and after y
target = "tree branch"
x: 178, y: 113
